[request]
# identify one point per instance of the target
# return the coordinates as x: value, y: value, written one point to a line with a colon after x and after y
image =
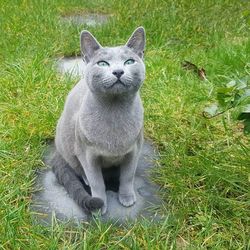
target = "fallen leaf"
x: 211, y: 111
x: 202, y: 74
x: 190, y: 66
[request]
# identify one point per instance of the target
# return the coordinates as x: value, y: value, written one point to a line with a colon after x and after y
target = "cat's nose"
x: 118, y: 73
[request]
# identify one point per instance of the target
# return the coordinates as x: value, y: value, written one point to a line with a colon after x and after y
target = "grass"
x: 204, y: 164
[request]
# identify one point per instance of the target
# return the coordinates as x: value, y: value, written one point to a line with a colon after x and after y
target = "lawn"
x: 204, y: 163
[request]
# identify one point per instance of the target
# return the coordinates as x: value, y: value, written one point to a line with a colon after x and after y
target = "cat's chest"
x: 112, y: 131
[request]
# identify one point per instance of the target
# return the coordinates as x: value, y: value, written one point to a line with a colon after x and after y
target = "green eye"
x: 103, y: 64
x: 129, y: 61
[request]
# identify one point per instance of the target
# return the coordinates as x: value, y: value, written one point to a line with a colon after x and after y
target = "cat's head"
x: 114, y: 70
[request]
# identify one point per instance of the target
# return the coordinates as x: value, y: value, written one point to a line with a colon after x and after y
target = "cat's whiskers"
x: 107, y: 82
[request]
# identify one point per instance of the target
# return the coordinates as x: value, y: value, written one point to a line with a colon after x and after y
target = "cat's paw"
x: 96, y: 205
x: 93, y: 203
x: 127, y: 200
x: 104, y: 209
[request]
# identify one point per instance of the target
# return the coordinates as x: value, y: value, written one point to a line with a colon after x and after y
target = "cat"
x: 101, y: 125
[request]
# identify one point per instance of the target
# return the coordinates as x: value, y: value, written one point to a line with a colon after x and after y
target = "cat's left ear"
x: 137, y: 41
x: 89, y: 45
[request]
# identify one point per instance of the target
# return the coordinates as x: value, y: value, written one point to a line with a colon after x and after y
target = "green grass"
x: 204, y: 163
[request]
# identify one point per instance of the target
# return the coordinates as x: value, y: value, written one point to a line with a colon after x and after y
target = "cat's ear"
x: 137, y: 41
x: 89, y: 45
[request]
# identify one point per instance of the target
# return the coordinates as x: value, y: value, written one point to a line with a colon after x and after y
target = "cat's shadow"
x: 111, y: 179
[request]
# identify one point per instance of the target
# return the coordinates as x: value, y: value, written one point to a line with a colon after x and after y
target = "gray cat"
x: 102, y: 122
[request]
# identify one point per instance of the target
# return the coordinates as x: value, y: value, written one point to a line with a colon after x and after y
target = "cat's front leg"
x: 92, y: 168
x: 127, y: 195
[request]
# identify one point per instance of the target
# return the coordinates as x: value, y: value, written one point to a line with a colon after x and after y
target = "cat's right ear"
x: 89, y: 45
x: 137, y: 41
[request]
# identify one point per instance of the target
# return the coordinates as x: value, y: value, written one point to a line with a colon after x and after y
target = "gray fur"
x: 102, y: 122
x: 67, y: 177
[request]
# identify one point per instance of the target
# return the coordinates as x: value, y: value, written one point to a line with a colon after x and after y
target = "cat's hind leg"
x: 67, y: 177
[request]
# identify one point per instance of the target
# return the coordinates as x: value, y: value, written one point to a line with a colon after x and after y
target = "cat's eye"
x: 103, y: 64
x: 129, y: 61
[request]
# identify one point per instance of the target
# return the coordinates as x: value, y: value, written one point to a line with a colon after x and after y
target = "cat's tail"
x: 67, y: 177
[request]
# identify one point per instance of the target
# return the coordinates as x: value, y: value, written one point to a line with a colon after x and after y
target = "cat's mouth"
x: 117, y: 82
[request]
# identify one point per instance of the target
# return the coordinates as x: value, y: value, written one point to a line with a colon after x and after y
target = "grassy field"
x: 204, y: 163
